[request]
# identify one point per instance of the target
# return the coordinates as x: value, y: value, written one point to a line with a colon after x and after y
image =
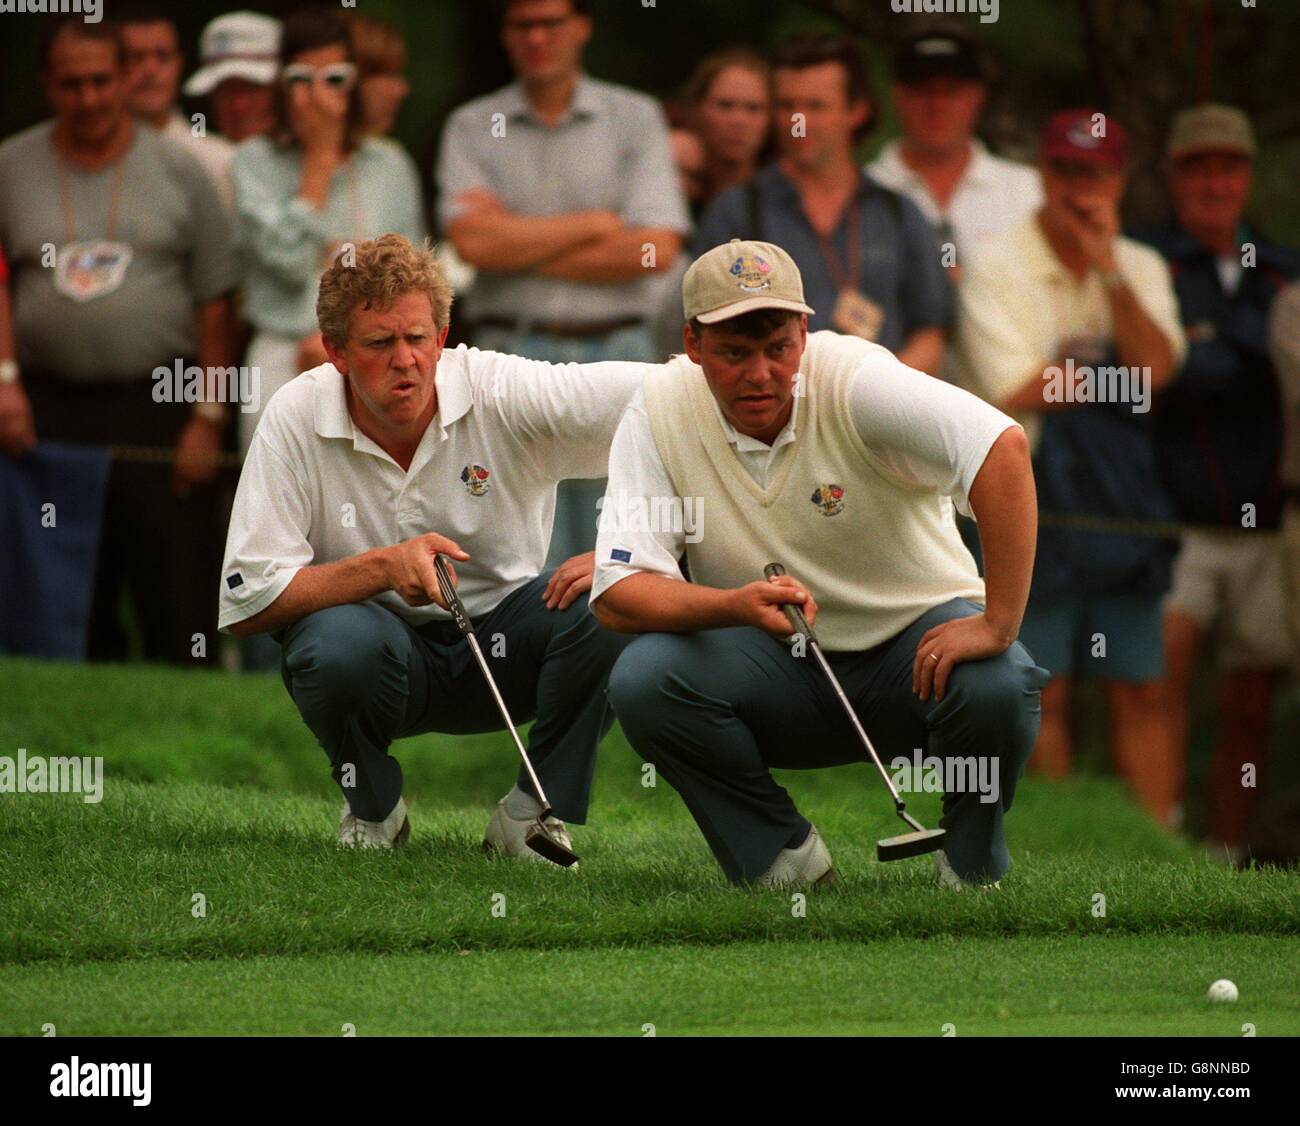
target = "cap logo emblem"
x: 751, y: 273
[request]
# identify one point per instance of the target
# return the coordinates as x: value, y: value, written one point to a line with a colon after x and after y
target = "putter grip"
x: 792, y: 611
x: 448, y: 589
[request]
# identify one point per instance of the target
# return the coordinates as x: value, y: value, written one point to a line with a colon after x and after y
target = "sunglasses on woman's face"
x: 337, y: 76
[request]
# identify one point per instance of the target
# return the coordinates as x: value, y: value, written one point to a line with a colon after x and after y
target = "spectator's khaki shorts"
x: 1232, y: 583
x: 1291, y: 572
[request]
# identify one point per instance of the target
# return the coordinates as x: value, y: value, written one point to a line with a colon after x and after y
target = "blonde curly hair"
x: 374, y: 275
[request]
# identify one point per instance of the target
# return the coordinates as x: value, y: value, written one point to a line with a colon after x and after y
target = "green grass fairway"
x: 1116, y: 986
x: 213, y: 788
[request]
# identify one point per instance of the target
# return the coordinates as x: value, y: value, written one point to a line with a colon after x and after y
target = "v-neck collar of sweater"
x: 721, y: 440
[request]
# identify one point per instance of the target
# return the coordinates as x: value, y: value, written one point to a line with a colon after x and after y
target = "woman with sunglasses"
x: 317, y: 184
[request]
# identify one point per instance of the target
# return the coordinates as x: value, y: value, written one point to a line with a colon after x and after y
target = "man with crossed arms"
x: 825, y: 453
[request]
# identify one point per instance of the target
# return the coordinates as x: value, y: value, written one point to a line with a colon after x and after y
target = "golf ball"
x: 1222, y: 990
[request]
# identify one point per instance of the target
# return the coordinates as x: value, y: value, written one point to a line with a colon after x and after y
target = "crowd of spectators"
x: 135, y: 236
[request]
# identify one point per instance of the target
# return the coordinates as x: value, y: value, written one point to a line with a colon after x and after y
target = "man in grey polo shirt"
x: 560, y: 189
x: 122, y: 265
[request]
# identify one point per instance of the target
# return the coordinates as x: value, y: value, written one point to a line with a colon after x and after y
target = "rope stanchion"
x: 164, y: 455
x: 1119, y: 526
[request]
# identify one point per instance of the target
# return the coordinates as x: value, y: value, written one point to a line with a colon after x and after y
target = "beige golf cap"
x: 1210, y: 128
x: 739, y: 277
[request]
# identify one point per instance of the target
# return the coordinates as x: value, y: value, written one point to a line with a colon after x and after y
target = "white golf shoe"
x: 806, y: 866
x: 947, y: 878
x: 506, y: 834
x: 388, y: 833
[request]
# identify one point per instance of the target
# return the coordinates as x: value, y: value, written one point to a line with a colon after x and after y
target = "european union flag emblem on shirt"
x: 620, y: 556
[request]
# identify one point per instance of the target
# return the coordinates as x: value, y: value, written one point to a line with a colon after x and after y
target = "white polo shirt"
x: 932, y: 433
x: 314, y: 489
x: 992, y: 195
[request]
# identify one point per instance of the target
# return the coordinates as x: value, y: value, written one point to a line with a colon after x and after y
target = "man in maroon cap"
x: 1070, y: 327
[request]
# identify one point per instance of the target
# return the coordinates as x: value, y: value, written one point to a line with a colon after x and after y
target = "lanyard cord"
x: 65, y: 197
x: 844, y: 278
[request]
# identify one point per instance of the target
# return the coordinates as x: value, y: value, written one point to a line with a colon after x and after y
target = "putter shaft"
x: 862, y: 733
x: 800, y: 624
x: 466, y: 628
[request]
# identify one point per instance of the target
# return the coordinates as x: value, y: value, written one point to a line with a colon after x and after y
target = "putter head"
x: 910, y: 844
x: 541, y: 842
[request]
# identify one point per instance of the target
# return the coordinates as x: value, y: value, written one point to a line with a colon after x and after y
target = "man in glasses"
x: 154, y: 65
x: 561, y: 191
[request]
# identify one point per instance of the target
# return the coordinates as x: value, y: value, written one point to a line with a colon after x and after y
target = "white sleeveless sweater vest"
x: 877, y: 551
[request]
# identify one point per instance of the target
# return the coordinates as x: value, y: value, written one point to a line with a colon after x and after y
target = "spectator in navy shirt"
x: 869, y: 260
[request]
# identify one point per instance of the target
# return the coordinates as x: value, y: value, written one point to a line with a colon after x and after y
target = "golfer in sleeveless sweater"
x: 822, y: 452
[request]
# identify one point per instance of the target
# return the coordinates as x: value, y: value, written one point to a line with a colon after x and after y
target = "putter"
x: 921, y: 840
x: 539, y: 838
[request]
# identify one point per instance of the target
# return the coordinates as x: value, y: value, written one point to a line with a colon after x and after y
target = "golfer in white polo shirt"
x: 359, y: 472
x: 826, y: 454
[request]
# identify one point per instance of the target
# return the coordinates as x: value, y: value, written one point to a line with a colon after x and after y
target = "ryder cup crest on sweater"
x: 829, y: 499
x: 863, y: 598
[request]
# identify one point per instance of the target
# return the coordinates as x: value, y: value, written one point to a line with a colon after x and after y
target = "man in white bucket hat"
x: 239, y: 53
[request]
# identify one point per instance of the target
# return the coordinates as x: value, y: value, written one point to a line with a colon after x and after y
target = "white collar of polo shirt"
x: 892, y: 164
x: 980, y: 169
x: 331, y: 418
x: 744, y: 443
x: 454, y: 395
x: 583, y: 103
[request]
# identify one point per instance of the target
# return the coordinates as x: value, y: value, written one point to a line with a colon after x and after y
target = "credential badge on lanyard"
x: 94, y: 268
x: 86, y: 270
